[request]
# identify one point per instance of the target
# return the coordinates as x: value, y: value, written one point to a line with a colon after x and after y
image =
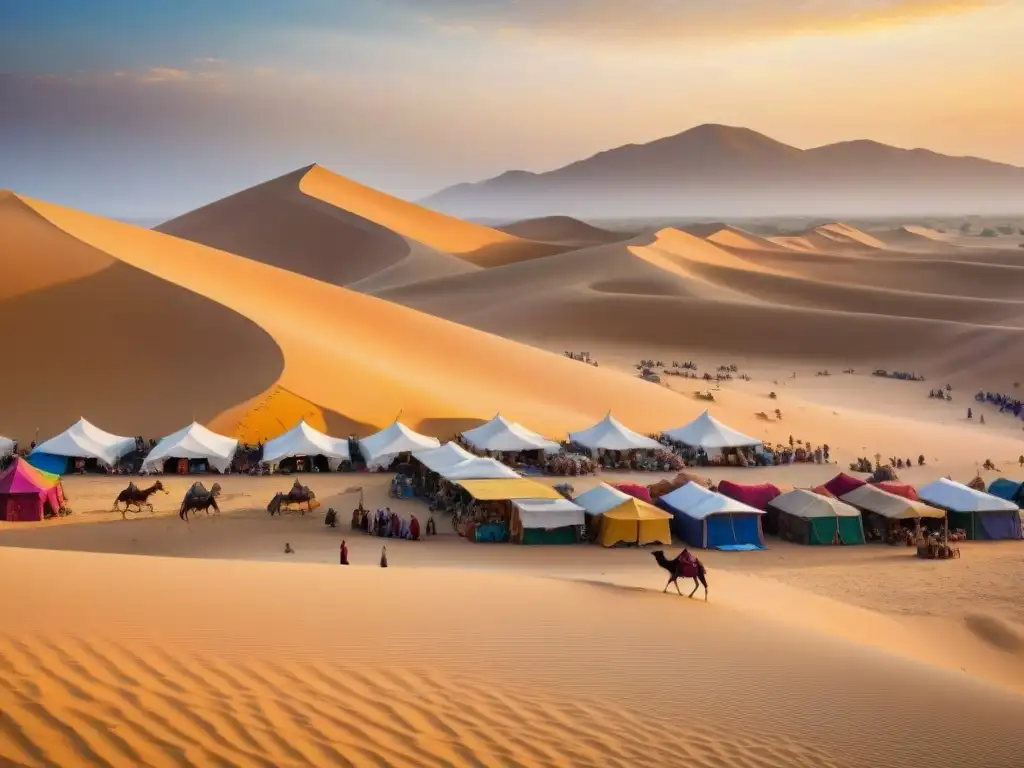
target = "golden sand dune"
x: 358, y: 359
x: 564, y: 230
x: 95, y: 336
x: 734, y: 237
x: 292, y: 663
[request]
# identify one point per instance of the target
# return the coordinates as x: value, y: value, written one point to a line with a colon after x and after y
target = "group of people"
x: 389, y: 525
x: 583, y: 357
x: 1006, y: 404
x: 901, y: 375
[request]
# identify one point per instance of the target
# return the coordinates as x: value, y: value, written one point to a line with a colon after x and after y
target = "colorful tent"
x: 81, y: 440
x: 380, y: 449
x: 806, y: 517
x: 611, y: 435
x: 635, y: 490
x: 304, y: 440
x: 981, y: 514
x: 870, y: 498
x: 27, y: 494
x: 438, y: 459
x: 1007, y: 489
x: 545, y: 521
x: 194, y: 442
x: 897, y: 488
x: 478, y: 469
x: 600, y: 499
x: 499, y: 434
x: 842, y: 484
x: 709, y: 433
x: 757, y: 496
x: 508, y: 489
x: 635, y: 522
x: 709, y: 520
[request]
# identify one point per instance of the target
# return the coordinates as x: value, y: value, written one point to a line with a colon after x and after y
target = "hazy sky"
x: 151, y: 107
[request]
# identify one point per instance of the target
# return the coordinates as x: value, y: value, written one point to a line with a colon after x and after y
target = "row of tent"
x: 84, y: 440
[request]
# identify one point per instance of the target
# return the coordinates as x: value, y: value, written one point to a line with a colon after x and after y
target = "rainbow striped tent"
x: 27, y: 493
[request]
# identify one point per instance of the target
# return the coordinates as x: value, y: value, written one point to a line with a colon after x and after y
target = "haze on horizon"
x: 149, y: 109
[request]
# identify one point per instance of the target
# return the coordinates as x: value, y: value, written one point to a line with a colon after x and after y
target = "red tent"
x: 842, y: 484
x: 821, y: 490
x: 898, y: 489
x: 756, y: 496
x: 634, y: 490
x: 25, y: 493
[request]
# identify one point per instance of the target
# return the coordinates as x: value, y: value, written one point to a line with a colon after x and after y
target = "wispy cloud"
x: 684, y: 19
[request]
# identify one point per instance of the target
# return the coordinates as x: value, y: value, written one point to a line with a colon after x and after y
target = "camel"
x: 132, y: 496
x: 198, y: 498
x: 676, y: 569
x: 297, y: 496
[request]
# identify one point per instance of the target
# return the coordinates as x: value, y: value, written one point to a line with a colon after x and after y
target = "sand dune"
x: 251, y: 669
x: 357, y: 359
x: 734, y: 237
x: 564, y: 230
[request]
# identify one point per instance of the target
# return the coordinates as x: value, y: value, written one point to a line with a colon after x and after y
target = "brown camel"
x: 132, y: 496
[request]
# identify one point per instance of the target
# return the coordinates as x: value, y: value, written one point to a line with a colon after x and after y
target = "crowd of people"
x: 386, y: 524
x: 1005, y: 403
x: 583, y: 357
x: 901, y: 375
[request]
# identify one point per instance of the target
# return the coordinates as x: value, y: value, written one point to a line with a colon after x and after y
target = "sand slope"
x: 89, y: 335
x: 564, y: 230
x: 362, y: 360
x: 251, y: 669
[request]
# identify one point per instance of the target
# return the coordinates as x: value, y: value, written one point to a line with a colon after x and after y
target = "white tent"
x: 548, y: 513
x: 6, y: 446
x: 380, y: 449
x: 83, y: 440
x: 950, y: 494
x: 709, y: 433
x: 599, y: 500
x: 612, y: 436
x: 889, y: 505
x: 698, y: 502
x: 438, y: 459
x: 304, y: 440
x: 499, y: 434
x: 478, y: 469
x: 193, y: 442
x: 807, y: 504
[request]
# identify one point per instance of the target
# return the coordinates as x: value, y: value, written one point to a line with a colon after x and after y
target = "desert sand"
x: 152, y: 641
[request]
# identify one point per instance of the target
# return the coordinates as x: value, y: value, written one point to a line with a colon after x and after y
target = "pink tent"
x: 898, y: 489
x: 756, y: 496
x: 634, y: 490
x: 25, y: 493
x: 842, y: 484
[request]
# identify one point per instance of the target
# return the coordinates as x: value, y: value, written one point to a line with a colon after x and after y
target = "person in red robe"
x: 414, y: 528
x: 343, y: 559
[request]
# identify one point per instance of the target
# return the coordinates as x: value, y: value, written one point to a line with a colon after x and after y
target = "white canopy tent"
x: 193, y: 442
x: 599, y: 500
x: 499, y: 434
x: 950, y: 494
x: 438, y: 459
x: 380, y: 449
x: 709, y: 433
x: 478, y: 469
x: 304, y: 440
x: 698, y: 502
x: 548, y: 513
x: 611, y: 435
x: 83, y: 440
x: 6, y: 446
x: 889, y: 505
x: 807, y: 504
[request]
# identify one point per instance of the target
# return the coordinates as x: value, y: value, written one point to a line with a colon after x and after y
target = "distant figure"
x: 383, y: 557
x: 981, y: 419
x: 343, y: 560
x: 414, y: 528
x: 432, y: 525
x: 288, y: 549
x: 1021, y: 461
x: 970, y: 414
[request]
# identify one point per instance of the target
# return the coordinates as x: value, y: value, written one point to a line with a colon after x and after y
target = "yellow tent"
x: 635, y: 522
x: 509, y: 489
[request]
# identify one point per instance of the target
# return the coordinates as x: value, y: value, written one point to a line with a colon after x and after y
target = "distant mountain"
x: 721, y: 171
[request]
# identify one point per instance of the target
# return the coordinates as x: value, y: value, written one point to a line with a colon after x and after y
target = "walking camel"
x: 198, y: 498
x: 133, y: 496
x: 677, y: 568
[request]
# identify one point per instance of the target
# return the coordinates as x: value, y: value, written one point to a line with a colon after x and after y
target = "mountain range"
x: 723, y: 171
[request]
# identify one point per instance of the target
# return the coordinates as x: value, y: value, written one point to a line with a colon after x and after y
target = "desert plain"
x: 151, y: 641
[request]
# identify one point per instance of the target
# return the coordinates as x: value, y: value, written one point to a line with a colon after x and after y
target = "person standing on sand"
x: 383, y: 557
x: 343, y: 559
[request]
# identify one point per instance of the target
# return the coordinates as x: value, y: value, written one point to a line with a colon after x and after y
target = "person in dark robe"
x: 396, y: 526
x: 414, y: 528
x: 343, y: 556
x: 383, y: 557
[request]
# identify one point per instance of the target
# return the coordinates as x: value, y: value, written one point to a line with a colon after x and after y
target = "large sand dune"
x: 564, y: 230
x: 355, y: 359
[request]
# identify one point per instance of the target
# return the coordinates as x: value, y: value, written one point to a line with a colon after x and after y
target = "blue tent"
x: 709, y: 520
x: 49, y: 462
x: 1007, y: 489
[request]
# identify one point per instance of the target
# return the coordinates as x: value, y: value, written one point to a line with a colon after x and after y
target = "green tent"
x: 805, y: 517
